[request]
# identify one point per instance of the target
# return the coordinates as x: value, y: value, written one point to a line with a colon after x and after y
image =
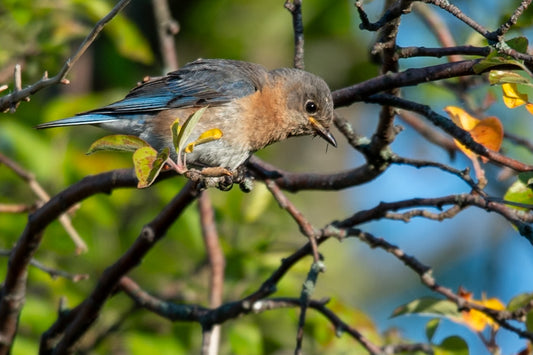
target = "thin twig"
x: 16, y: 208
x: 295, y: 8
x: 449, y: 127
x: 455, y: 11
x: 305, y: 298
x: 513, y: 19
x: 15, y: 282
x: 217, y: 263
x: 425, y: 274
x: 150, y: 235
x: 8, y: 101
x: 167, y: 29
x: 43, y: 196
x: 305, y: 226
x: 54, y: 273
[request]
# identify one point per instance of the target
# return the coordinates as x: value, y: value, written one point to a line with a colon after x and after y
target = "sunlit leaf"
x: 148, y: 164
x: 477, y: 320
x: 506, y: 76
x: 453, y: 345
x: 529, y: 107
x: 188, y: 127
x: 519, y: 301
x: 519, y: 192
x: 117, y: 142
x: 512, y: 97
x: 429, y: 306
x: 175, y: 128
x: 487, y: 132
x: 206, y: 137
x: 461, y: 118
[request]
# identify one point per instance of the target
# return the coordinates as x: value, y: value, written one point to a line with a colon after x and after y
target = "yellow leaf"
x: 512, y: 97
x: 487, y: 132
x: 206, y: 137
x: 148, y: 163
x: 461, y: 118
x: 477, y: 320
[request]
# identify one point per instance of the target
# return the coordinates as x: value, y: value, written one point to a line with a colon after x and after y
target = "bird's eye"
x: 311, y: 107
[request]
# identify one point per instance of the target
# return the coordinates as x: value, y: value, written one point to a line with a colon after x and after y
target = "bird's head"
x: 310, y: 103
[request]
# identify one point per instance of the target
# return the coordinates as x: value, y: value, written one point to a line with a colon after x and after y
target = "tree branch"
x: 151, y: 234
x: 10, y: 101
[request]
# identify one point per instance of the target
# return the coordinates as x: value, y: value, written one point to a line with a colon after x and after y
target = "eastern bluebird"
x: 252, y: 107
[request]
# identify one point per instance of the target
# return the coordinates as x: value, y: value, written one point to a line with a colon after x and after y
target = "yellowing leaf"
x: 506, y: 76
x: 487, y: 132
x: 148, y: 164
x: 188, y: 127
x: 477, y: 320
x: 118, y: 142
x: 512, y: 97
x: 461, y: 118
x: 206, y: 137
x: 175, y: 128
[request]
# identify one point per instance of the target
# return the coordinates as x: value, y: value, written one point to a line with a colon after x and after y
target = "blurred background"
x: 476, y: 250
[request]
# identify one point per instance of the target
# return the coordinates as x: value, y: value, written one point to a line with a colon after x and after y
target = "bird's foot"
x: 220, y: 178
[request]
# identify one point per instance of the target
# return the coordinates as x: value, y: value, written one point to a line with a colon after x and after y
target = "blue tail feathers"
x: 78, y: 120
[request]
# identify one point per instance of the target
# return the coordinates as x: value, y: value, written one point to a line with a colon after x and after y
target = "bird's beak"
x: 322, y: 132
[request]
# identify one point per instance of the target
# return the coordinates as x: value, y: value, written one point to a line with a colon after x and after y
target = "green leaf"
x: 518, y: 43
x: 206, y: 137
x: 118, y: 143
x: 431, y: 328
x: 505, y: 76
x: 175, y: 128
x: 453, y: 345
x: 428, y: 306
x: 148, y: 164
x: 519, y: 192
x: 526, y: 178
x: 529, y: 321
x: 128, y: 39
x: 495, y: 61
x: 519, y: 301
x: 188, y: 127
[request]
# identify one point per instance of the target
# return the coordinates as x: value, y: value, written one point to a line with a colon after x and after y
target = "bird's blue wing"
x: 199, y: 83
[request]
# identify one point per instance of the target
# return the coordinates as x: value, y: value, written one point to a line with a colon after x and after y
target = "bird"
x: 251, y: 106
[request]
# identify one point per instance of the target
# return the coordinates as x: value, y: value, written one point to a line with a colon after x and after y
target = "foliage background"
x: 473, y: 250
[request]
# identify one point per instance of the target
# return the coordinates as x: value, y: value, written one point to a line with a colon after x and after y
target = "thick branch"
x: 150, y: 235
x: 14, y: 287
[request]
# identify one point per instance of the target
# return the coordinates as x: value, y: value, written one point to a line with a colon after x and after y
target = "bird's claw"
x: 220, y: 178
